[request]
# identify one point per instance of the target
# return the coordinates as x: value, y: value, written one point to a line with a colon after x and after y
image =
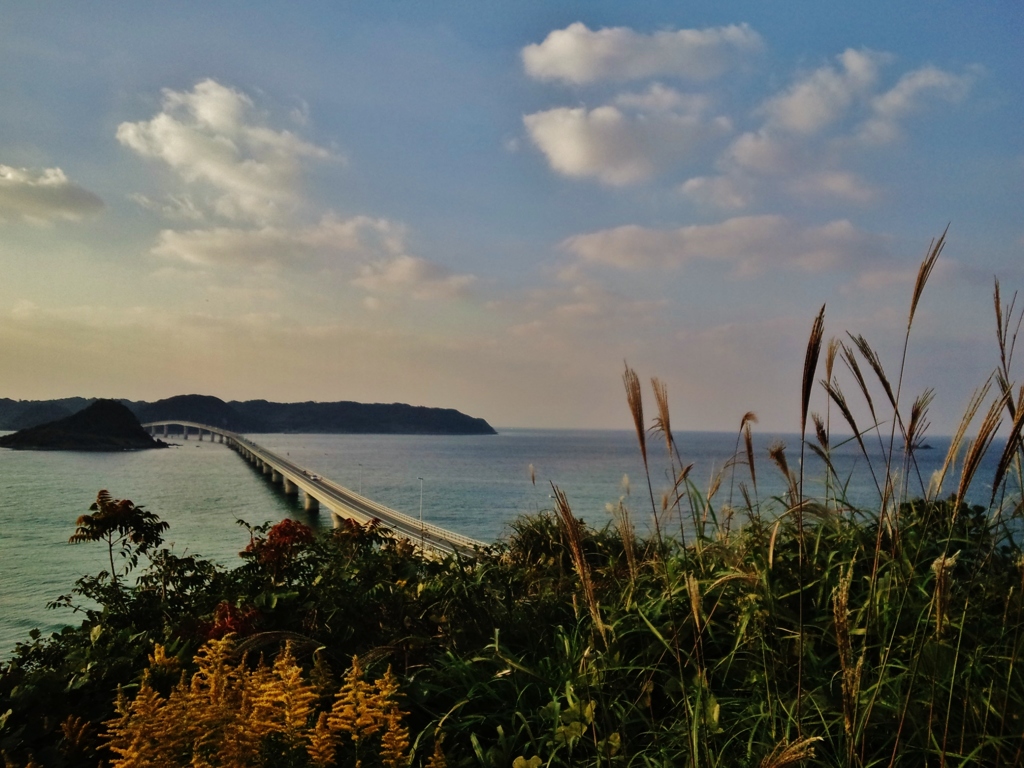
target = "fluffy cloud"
x: 44, y: 195
x: 615, y: 147
x: 660, y: 98
x: 212, y: 136
x: 580, y: 56
x: 413, y: 276
x: 335, y: 241
x: 761, y: 152
x: 227, y: 246
x: 215, y: 141
x: 908, y: 96
x: 725, y: 192
x: 372, y: 249
x: 750, y: 244
x: 823, y: 97
x: 839, y: 185
x: 810, y: 129
x: 181, y: 207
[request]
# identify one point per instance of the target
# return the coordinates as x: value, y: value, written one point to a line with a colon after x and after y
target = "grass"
x: 757, y: 632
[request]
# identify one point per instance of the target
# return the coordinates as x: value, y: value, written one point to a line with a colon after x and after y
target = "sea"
x: 474, y: 485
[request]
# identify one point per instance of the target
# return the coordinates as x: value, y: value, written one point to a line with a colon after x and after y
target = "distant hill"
x: 202, y: 408
x: 255, y: 416
x: 40, y: 413
x: 106, y: 425
x: 358, y: 418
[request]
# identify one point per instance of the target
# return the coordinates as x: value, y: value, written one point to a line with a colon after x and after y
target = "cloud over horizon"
x: 349, y: 201
x: 748, y: 245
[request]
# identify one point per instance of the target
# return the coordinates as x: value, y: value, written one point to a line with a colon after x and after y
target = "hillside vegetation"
x: 343, y: 417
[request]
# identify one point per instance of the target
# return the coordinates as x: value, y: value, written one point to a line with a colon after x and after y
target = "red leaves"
x: 230, y: 619
x: 281, y: 542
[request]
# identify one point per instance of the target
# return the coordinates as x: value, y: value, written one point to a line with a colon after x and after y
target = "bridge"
x: 319, y: 492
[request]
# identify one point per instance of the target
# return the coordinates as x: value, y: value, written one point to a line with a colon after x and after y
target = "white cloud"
x: 333, y: 240
x: 884, y: 277
x: 823, y: 97
x: 373, y: 249
x: 724, y: 192
x: 751, y: 244
x: 413, y: 276
x: 227, y: 246
x: 44, y: 195
x: 580, y: 313
x: 661, y: 98
x: 171, y: 207
x: 738, y: 189
x: 213, y: 136
x: 356, y: 236
x: 908, y: 96
x: 579, y: 55
x: 840, y: 185
x: 761, y: 152
x: 614, y: 147
x: 813, y: 128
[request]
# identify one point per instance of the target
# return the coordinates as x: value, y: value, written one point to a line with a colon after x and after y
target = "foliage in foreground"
x: 783, y: 631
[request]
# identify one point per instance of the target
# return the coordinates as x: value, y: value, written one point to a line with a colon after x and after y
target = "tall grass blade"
x: 1013, y: 444
x: 978, y: 447
x: 876, y: 365
x: 749, y: 418
x: 634, y: 398
x: 979, y: 396
x: 663, y: 422
x: 925, y: 271
x: 573, y: 532
x: 810, y: 365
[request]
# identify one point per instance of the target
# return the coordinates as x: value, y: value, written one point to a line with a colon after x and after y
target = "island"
x: 106, y: 425
x: 262, y: 416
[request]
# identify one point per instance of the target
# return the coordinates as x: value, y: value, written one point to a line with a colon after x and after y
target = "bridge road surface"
x: 341, y: 501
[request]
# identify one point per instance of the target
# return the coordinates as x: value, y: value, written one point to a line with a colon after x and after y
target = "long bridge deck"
x: 321, y: 492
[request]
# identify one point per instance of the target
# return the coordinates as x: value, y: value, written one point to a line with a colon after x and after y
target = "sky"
x: 496, y: 207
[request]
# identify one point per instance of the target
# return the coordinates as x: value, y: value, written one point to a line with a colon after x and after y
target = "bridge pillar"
x: 275, y: 476
x: 290, y: 488
x: 267, y: 470
x: 311, y: 505
x: 336, y: 519
x: 184, y: 431
x: 165, y: 430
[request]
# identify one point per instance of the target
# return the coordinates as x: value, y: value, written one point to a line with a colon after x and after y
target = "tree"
x: 123, y: 526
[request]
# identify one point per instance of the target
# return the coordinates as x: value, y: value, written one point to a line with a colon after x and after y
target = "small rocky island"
x: 106, y: 425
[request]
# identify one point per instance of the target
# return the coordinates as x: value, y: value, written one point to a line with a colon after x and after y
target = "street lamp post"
x: 421, y: 514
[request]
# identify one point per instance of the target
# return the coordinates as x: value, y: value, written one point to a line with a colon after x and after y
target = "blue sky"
x: 491, y: 206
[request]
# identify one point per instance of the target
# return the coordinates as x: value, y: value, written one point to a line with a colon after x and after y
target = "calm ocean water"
x: 473, y: 485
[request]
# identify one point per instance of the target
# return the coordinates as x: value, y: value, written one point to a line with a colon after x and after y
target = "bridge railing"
x: 385, y: 513
x: 412, y: 522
